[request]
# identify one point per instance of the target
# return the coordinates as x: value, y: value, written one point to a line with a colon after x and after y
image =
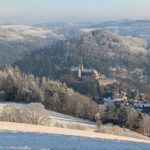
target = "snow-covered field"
x: 18, y: 136
x: 62, y: 120
x: 24, y: 141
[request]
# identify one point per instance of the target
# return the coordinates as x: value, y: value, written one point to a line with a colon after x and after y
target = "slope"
x: 97, y: 49
x: 16, y: 40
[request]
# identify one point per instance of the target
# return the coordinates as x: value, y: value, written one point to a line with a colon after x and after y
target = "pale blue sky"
x: 38, y: 11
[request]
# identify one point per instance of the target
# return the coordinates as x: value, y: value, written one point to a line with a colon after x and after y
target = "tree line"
x: 16, y: 86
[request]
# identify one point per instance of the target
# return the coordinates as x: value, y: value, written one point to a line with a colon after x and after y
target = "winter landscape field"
x: 29, y: 141
x: 74, y: 75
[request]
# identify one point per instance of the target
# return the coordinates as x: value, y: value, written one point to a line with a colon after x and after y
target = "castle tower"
x: 81, y: 67
x: 79, y: 72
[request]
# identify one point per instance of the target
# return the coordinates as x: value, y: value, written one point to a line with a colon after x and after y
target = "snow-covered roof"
x: 147, y: 105
x: 108, y: 100
x: 141, y: 102
x: 74, y: 69
x: 88, y: 70
x: 84, y: 70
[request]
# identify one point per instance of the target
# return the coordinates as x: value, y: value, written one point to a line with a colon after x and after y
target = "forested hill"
x: 96, y: 49
x: 17, y: 40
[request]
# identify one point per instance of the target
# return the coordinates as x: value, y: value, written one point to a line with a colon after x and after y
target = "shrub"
x: 34, y: 113
x: 75, y: 126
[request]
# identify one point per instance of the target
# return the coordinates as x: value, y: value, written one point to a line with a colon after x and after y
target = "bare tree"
x: 33, y: 113
x: 145, y: 125
x: 11, y: 113
x: 37, y: 114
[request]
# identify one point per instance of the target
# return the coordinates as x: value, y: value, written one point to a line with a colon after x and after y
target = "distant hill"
x: 16, y: 40
x: 135, y: 28
x: 96, y: 49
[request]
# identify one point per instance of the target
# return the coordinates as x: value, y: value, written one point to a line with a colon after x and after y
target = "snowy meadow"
x: 30, y: 141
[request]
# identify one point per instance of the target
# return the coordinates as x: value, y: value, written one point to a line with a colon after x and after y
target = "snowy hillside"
x: 18, y: 40
x: 24, y: 33
x: 133, y: 44
x: 29, y: 141
x: 62, y: 121
x: 64, y: 136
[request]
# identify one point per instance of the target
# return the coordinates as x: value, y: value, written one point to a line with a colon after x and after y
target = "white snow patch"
x: 22, y: 32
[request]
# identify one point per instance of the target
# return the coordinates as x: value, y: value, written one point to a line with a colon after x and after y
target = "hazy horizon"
x: 38, y: 11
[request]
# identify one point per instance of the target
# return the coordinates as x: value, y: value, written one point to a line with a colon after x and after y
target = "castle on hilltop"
x: 80, y: 71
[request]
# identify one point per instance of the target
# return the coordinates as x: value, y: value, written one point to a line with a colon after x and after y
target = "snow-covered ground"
x: 62, y: 120
x: 57, y: 117
x: 87, y: 30
x: 25, y: 33
x: 69, y: 119
x: 24, y: 141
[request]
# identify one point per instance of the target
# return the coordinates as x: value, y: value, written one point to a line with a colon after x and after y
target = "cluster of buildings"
x: 130, y: 100
x: 81, y: 72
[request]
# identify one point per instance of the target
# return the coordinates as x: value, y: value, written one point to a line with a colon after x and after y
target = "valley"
x: 74, y: 75
x: 77, y: 70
